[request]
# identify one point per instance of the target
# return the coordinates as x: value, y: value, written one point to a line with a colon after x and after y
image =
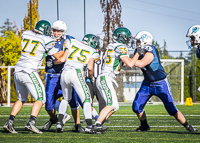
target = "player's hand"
x: 140, y: 51
x: 49, y: 63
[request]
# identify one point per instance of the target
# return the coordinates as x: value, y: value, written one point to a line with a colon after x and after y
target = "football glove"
x: 140, y: 51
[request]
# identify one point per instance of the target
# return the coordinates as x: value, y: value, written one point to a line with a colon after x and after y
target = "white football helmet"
x: 194, y: 35
x: 144, y: 37
x: 60, y: 25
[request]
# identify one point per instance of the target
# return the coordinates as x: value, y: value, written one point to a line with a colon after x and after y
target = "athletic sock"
x: 12, y: 117
x: 97, y: 122
x: 33, y: 118
x: 88, y: 122
x: 60, y: 118
x: 144, y: 123
x: 185, y: 124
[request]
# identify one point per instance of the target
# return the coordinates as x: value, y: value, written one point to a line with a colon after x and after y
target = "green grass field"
x: 164, y: 128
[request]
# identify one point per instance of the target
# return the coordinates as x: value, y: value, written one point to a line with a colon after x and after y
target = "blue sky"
x: 166, y: 20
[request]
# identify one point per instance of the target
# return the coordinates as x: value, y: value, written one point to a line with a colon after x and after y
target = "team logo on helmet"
x: 144, y: 37
x: 195, y: 30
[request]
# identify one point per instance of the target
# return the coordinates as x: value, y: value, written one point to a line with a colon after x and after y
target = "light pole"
x: 107, y: 23
x: 57, y: 11
x: 84, y: 20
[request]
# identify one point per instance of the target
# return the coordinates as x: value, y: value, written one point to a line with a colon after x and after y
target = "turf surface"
x: 164, y: 128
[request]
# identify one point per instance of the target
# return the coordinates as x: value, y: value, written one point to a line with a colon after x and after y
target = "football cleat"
x: 59, y: 127
x: 99, y: 129
x: 191, y: 129
x: 66, y: 118
x: 9, y: 126
x: 30, y: 126
x: 89, y: 130
x: 79, y: 128
x: 142, y: 129
x: 48, y: 124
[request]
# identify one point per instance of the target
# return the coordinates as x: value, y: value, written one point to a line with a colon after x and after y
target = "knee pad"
x: 135, y: 108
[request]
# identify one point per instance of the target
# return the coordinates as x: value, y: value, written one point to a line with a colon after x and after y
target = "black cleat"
x: 59, y: 127
x: 100, y: 129
x: 79, y: 128
x: 9, y: 126
x: 142, y: 129
x: 191, y: 129
x: 48, y: 124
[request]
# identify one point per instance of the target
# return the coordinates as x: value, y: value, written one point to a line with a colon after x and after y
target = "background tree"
x: 33, y: 16
x: 112, y: 20
x: 10, y: 48
x: 7, y: 27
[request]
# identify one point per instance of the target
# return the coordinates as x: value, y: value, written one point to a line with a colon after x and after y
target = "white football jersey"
x: 34, y: 48
x: 112, y: 60
x: 79, y: 55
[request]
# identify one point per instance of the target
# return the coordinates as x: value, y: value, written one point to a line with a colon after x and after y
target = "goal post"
x: 173, y: 67
x: 166, y: 62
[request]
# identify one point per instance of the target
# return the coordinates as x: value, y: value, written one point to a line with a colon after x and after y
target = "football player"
x: 52, y: 80
x: 92, y: 82
x: 35, y: 45
x: 155, y: 83
x: 194, y: 34
x: 80, y: 54
x: 116, y: 57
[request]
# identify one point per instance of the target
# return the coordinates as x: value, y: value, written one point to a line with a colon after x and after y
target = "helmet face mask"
x: 143, y: 38
x: 59, y: 26
x: 43, y: 27
x: 122, y: 35
x: 91, y: 40
x: 194, y: 35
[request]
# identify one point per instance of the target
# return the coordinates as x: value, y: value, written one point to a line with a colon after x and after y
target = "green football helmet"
x: 91, y: 40
x: 43, y: 27
x: 122, y: 35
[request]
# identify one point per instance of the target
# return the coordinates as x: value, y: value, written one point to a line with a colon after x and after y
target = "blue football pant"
x: 53, y: 92
x: 161, y: 89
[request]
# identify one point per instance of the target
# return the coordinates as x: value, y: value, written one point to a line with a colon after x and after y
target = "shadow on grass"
x: 174, y: 132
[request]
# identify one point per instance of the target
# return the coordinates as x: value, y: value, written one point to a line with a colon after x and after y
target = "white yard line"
x: 112, y: 115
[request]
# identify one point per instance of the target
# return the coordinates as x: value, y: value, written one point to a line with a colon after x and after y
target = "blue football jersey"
x: 154, y: 71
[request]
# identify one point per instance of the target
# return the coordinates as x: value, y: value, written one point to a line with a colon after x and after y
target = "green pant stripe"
x: 84, y: 85
x: 106, y: 90
x: 37, y: 85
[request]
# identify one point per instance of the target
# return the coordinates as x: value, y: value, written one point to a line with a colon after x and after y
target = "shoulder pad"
x: 148, y: 48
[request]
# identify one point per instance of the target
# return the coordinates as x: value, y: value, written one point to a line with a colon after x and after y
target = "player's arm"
x: 90, y: 67
x: 63, y: 57
x: 130, y: 62
x: 60, y: 58
x: 146, y: 60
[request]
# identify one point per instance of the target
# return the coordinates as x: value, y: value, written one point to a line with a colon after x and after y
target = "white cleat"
x: 66, y: 118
